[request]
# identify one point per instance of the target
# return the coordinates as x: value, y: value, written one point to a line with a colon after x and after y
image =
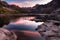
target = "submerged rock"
x: 28, y: 35
x: 50, y: 30
x: 19, y: 35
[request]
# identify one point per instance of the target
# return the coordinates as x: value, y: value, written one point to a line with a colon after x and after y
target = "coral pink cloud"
x: 23, y: 4
x: 17, y: 4
x: 29, y: 4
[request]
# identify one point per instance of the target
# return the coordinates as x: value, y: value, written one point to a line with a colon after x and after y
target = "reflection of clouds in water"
x: 21, y: 19
x: 26, y: 18
x: 22, y: 24
x: 27, y: 3
x: 27, y: 22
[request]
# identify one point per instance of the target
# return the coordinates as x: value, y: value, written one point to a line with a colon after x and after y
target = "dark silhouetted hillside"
x: 47, y: 8
x: 43, y: 9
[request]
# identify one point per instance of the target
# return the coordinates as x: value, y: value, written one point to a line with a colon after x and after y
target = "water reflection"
x: 23, y: 25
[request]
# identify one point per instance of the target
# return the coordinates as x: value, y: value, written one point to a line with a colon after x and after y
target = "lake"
x: 23, y: 23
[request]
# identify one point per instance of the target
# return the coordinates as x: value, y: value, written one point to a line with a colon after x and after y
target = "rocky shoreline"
x: 50, y: 30
x: 19, y: 35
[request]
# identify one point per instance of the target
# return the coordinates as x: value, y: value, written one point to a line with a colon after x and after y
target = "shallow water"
x: 23, y: 24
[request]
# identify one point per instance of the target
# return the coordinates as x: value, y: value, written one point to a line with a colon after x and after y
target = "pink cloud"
x: 17, y: 4
x: 29, y: 4
x: 23, y: 4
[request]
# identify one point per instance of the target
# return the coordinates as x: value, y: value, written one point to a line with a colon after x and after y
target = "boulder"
x: 7, y: 35
x: 50, y: 30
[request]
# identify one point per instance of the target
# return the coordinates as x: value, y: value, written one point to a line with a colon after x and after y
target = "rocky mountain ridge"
x: 44, y: 9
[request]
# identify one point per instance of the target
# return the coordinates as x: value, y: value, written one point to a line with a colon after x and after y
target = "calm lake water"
x: 23, y: 24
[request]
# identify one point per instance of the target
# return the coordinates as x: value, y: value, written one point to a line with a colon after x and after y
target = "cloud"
x: 27, y: 3
x: 23, y: 4
x: 44, y: 1
x: 17, y: 4
x: 21, y: 0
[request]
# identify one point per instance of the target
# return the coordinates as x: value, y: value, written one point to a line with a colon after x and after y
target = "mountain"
x: 5, y: 8
x: 43, y: 9
x: 47, y: 8
x: 58, y: 2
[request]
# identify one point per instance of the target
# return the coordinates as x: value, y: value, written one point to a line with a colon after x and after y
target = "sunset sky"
x: 27, y: 3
